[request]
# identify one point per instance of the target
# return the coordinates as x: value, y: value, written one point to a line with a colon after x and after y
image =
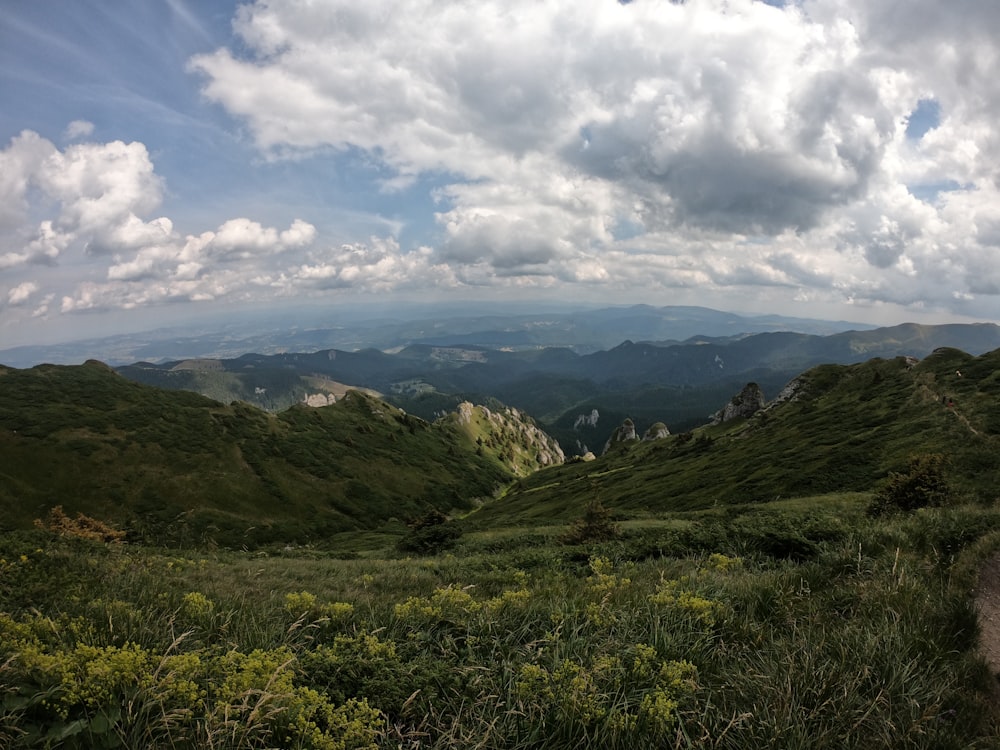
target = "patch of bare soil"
x: 988, y: 607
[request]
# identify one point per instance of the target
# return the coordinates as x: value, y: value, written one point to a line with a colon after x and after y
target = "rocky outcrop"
x: 790, y: 392
x: 509, y: 434
x: 624, y: 433
x: 319, y: 399
x: 464, y: 412
x: 744, y: 404
x: 656, y: 431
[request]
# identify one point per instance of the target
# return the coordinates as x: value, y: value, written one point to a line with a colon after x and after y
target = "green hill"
x: 176, y: 467
x: 678, y: 383
x: 183, y: 469
x: 711, y: 614
x: 843, y: 428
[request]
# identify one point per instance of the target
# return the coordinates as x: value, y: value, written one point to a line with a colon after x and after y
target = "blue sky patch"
x: 923, y: 119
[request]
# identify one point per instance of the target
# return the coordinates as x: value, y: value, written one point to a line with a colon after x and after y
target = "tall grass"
x: 712, y: 632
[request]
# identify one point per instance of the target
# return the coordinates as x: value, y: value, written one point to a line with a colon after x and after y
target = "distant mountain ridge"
x: 508, y: 326
x: 680, y: 384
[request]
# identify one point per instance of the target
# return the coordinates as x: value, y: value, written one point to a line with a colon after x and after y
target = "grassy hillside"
x: 181, y: 468
x: 717, y: 617
x: 846, y: 428
x: 676, y: 383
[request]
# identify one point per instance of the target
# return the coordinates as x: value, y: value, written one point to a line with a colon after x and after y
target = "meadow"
x: 791, y: 624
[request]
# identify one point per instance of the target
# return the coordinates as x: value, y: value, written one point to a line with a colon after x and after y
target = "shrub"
x: 430, y: 534
x: 923, y: 486
x: 83, y: 527
x: 595, y: 526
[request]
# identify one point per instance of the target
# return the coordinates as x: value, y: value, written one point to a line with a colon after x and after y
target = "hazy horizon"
x: 267, y: 332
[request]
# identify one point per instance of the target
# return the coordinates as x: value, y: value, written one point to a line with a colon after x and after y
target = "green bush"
x: 595, y: 526
x: 923, y: 486
x: 430, y: 534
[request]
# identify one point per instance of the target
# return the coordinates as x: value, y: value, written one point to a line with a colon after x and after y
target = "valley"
x: 678, y: 383
x: 179, y: 571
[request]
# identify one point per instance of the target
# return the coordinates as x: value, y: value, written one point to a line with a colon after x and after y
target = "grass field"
x: 796, y: 624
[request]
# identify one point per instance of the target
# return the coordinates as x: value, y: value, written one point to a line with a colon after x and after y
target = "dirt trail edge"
x: 988, y: 607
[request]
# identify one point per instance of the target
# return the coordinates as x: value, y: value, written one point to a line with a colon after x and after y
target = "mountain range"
x: 801, y: 566
x: 392, y: 327
x: 835, y: 428
x: 179, y: 468
x: 578, y: 398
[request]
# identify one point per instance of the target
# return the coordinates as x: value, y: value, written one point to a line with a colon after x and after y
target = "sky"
x: 166, y: 161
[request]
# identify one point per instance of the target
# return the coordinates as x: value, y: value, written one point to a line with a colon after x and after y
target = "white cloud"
x: 647, y: 150
x: 723, y: 114
x: 78, y: 129
x: 649, y: 143
x: 19, y: 162
x: 377, y: 265
x: 95, y: 197
x: 47, y: 245
x: 42, y: 310
x: 20, y: 294
x: 198, y: 267
x: 102, y: 189
x: 240, y: 239
x: 93, y: 194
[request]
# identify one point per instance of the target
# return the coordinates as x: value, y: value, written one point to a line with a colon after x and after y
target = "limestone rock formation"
x: 789, y: 393
x: 656, y: 431
x: 623, y: 433
x: 510, y: 435
x: 744, y: 404
x: 586, y: 420
x: 319, y: 399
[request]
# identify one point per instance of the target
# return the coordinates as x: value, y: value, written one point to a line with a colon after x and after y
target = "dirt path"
x: 988, y: 606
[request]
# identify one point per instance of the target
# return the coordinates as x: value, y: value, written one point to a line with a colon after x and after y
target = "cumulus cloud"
x: 102, y: 189
x: 20, y: 294
x: 658, y: 149
x: 240, y: 239
x: 78, y: 129
x: 19, y: 162
x: 96, y: 193
x: 654, y: 141
x: 734, y: 115
x: 377, y: 265
x: 96, y: 197
x: 197, y: 267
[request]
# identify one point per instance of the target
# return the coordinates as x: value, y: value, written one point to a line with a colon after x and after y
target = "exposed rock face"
x: 319, y: 399
x: 789, y: 393
x: 656, y: 431
x: 511, y: 435
x: 621, y: 434
x: 331, y: 391
x: 586, y: 424
x: 744, y: 404
x: 464, y: 412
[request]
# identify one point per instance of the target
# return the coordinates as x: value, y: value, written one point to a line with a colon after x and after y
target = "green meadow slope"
x: 176, y: 467
x: 844, y: 428
x: 179, y: 468
x: 719, y: 617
